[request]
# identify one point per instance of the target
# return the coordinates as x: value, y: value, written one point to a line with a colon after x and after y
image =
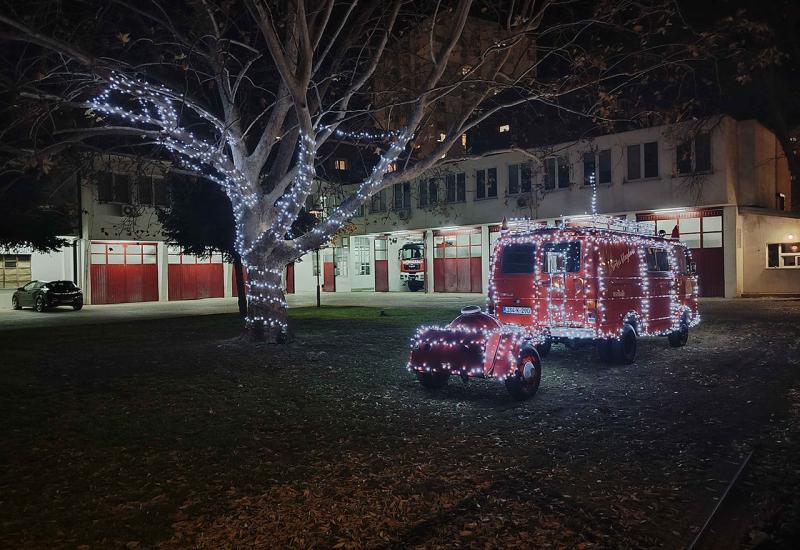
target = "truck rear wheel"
x: 433, y: 380
x: 524, y: 382
x: 626, y: 346
x: 679, y: 338
x: 414, y: 286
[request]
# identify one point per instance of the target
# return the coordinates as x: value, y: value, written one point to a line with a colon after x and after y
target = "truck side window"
x: 657, y: 259
x: 518, y: 258
x: 562, y: 257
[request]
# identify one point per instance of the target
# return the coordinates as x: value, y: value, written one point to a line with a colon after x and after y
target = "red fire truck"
x: 605, y: 281
x: 412, y: 265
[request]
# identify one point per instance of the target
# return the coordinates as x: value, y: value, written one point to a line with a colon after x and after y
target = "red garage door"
x: 124, y: 272
x: 381, y: 264
x: 701, y: 230
x: 457, y: 261
x: 191, y: 278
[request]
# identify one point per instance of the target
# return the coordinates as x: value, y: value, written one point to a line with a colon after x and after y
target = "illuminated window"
x: 466, y: 69
x: 340, y: 164
x: 441, y: 137
x: 504, y: 128
x: 783, y: 255
x: 463, y: 140
x: 392, y: 167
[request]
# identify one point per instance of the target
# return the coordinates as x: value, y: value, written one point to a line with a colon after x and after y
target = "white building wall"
x: 759, y: 229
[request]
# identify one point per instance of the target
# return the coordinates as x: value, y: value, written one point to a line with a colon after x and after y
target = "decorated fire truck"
x: 412, y: 265
x: 603, y: 281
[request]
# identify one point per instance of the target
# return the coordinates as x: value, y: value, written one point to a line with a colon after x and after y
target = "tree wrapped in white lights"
x: 248, y: 94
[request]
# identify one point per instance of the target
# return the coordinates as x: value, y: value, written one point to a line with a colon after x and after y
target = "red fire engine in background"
x: 607, y: 282
x: 412, y: 265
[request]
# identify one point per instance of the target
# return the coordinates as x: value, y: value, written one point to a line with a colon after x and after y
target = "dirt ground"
x: 170, y: 434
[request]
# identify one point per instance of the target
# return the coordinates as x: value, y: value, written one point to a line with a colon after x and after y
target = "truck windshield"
x: 411, y: 253
x: 518, y: 258
x: 564, y: 257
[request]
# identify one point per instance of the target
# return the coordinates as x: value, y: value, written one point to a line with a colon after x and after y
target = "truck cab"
x: 412, y: 265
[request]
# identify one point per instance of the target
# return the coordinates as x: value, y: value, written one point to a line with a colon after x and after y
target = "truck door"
x: 561, y: 261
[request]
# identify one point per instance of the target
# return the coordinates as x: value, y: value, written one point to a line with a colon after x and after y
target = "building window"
x: 597, y: 167
x: 694, y: 155
x: 340, y: 164
x: 556, y: 173
x: 342, y: 255
x: 15, y: 270
x: 144, y: 191
x: 456, y: 187
x: 113, y: 187
x: 643, y: 161
x: 780, y: 201
x: 381, y: 249
x: 464, y: 141
x: 783, y: 255
x: 361, y: 255
x: 391, y: 168
x: 378, y: 202
x: 442, y: 137
x: 428, y: 192
x: 402, y: 196
x: 519, y: 178
x: 504, y: 128
x: 486, y: 184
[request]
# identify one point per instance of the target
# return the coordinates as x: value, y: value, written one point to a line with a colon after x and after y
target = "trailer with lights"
x: 600, y: 280
x: 478, y: 345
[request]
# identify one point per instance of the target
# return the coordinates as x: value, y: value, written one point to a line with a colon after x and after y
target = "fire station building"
x: 721, y: 185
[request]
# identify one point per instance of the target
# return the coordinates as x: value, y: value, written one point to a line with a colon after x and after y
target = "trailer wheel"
x: 626, y: 346
x: 433, y: 380
x: 524, y: 382
x: 414, y: 286
x: 679, y: 338
x: 544, y: 347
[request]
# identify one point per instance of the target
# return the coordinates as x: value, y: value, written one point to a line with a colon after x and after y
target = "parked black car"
x: 41, y: 295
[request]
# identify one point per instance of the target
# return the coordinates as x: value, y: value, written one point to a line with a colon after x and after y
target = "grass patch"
x: 171, y: 432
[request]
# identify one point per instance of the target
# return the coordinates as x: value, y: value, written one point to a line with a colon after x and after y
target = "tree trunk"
x: 241, y: 291
x: 267, y: 311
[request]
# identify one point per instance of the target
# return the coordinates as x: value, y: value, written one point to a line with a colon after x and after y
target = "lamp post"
x: 317, y: 212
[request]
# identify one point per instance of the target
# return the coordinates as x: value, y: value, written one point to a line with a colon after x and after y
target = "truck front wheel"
x: 414, y: 286
x: 679, y: 338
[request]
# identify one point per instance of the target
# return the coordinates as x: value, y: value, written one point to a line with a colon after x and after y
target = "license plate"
x: 517, y: 310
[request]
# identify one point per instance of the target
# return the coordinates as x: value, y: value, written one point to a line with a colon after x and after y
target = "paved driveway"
x: 10, y: 319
